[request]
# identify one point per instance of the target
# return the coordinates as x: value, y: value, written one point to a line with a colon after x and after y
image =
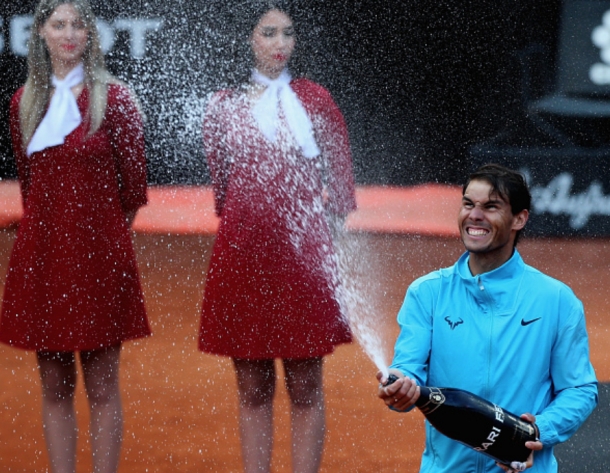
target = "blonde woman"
x: 72, y: 284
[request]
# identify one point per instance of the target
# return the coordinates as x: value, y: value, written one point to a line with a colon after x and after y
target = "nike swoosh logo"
x: 524, y: 322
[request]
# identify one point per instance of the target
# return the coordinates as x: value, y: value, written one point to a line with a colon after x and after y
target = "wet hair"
x: 508, y: 184
x: 37, y: 89
x: 245, y: 16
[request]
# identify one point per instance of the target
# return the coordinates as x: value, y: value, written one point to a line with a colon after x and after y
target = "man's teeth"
x: 472, y: 231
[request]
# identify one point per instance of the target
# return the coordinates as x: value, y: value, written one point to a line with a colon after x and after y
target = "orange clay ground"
x: 180, y: 405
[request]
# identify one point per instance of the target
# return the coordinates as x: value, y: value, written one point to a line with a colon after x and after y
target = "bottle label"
x: 435, y: 399
x: 490, y: 440
x: 495, y: 430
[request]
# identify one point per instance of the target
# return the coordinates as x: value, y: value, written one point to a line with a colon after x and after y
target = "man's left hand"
x: 533, y: 446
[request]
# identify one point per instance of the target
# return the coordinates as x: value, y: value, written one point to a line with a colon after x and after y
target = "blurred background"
x: 419, y: 82
x: 429, y: 90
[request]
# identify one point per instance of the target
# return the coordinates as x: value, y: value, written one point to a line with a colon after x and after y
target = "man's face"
x: 487, y: 224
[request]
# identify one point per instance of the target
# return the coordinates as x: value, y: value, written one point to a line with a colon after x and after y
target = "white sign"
x: 600, y: 71
x: 138, y: 29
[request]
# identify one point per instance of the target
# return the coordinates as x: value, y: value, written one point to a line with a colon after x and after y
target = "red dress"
x: 72, y: 282
x: 271, y: 286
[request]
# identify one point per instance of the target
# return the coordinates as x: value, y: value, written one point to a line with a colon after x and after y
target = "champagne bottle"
x: 476, y: 422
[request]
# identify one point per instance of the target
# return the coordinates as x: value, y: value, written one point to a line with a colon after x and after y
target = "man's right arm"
x: 412, y: 349
x: 401, y: 395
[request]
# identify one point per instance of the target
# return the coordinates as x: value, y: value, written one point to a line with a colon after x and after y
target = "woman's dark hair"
x: 508, y: 184
x: 245, y: 15
x: 254, y: 10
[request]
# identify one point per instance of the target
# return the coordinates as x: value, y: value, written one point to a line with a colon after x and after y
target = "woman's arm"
x: 127, y: 136
x: 333, y: 140
x: 214, y: 137
x: 21, y: 159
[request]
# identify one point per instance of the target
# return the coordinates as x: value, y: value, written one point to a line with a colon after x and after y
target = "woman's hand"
x: 336, y: 223
x: 130, y: 217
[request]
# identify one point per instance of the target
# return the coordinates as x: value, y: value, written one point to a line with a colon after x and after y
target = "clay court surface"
x: 181, y: 405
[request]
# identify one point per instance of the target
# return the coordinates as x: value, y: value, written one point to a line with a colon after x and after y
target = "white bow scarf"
x: 266, y: 112
x: 63, y: 115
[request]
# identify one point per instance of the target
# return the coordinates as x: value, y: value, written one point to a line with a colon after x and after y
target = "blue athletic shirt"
x: 515, y: 337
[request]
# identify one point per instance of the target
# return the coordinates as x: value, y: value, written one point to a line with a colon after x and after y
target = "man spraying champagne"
x: 495, y: 327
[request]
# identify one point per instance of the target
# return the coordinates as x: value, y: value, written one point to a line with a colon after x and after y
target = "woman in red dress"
x: 280, y: 162
x: 72, y: 283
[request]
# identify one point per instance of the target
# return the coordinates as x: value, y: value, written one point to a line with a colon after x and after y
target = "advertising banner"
x: 171, y: 54
x: 570, y: 187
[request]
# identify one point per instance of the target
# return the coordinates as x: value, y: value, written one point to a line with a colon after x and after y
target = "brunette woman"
x: 72, y: 284
x: 280, y: 162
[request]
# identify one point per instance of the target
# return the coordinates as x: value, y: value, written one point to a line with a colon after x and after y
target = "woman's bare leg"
x: 58, y: 378
x: 101, y: 373
x: 305, y: 387
x: 256, y: 386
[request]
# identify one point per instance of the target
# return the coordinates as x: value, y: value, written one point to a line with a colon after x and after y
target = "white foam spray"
x: 358, y: 295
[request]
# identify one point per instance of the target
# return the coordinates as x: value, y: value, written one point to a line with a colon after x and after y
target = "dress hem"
x: 64, y: 349
x: 295, y: 356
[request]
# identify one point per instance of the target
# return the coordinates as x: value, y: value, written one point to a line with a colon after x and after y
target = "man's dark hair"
x: 508, y: 184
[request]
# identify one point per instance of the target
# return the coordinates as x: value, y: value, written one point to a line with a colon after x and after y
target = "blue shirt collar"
x: 508, y: 270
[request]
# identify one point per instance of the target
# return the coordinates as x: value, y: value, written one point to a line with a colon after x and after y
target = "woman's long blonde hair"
x: 38, y: 85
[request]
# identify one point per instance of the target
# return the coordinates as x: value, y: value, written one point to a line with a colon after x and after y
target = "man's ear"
x: 520, y: 219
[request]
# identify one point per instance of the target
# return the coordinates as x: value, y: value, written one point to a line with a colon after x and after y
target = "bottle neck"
x: 429, y: 399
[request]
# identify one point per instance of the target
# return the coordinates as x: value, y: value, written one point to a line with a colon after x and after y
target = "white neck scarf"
x: 63, y: 115
x: 266, y: 112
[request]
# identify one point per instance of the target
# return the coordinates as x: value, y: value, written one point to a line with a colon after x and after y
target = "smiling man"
x: 496, y: 327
